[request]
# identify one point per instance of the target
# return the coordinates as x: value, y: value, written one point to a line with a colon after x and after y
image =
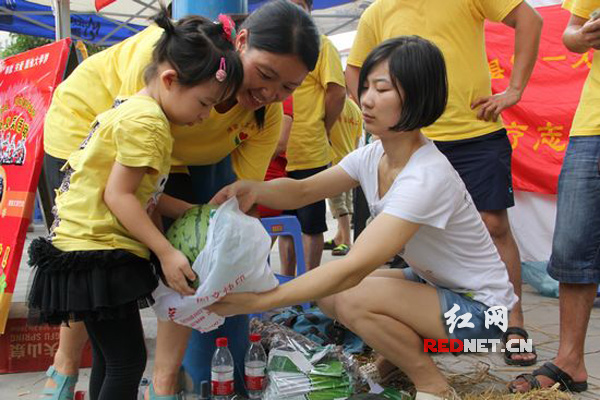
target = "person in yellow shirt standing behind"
x: 469, y: 132
x: 574, y: 262
x: 344, y: 138
x: 318, y: 103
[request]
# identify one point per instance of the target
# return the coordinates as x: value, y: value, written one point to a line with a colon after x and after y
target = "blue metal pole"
x: 208, y: 8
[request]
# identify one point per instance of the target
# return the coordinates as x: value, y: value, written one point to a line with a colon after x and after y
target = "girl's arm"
x: 120, y: 198
x: 383, y: 238
x: 288, y: 194
x: 171, y: 207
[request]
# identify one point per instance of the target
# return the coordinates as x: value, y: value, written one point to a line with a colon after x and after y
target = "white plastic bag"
x: 233, y: 260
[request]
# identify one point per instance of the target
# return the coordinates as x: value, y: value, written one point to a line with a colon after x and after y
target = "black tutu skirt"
x: 82, y: 285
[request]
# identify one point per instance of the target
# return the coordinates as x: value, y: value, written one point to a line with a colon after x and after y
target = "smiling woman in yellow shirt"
x: 278, y: 45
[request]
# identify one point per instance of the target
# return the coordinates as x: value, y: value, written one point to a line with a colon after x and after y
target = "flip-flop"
x: 550, y: 370
x: 340, y: 250
x: 329, y: 245
x: 514, y: 330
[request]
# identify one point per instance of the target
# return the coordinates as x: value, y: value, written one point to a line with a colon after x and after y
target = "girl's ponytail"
x: 163, y: 20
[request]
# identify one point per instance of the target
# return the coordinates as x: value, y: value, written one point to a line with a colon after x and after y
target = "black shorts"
x: 484, y: 164
x: 311, y: 217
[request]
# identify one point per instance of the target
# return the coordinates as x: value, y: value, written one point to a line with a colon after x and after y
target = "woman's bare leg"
x: 387, y: 313
x: 171, y: 343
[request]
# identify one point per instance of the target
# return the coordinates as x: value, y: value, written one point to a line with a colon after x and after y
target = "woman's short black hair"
x: 281, y: 27
x: 418, y: 71
x: 194, y: 47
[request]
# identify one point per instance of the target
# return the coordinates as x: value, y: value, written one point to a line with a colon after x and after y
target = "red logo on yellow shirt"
x: 240, y: 138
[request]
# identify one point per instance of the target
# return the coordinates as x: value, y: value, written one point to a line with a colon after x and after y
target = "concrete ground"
x: 541, y: 316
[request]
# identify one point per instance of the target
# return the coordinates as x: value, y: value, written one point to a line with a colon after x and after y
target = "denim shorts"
x: 576, y: 243
x: 448, y: 299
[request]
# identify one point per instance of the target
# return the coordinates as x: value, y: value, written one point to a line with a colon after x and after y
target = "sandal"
x: 566, y: 383
x: 154, y: 396
x: 370, y: 372
x: 508, y: 354
x: 65, y: 386
x: 340, y: 250
x: 329, y: 245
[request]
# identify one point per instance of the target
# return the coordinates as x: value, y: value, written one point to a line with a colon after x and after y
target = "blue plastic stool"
x: 288, y: 225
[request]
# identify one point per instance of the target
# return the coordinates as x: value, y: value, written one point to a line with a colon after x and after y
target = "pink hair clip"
x: 221, y: 74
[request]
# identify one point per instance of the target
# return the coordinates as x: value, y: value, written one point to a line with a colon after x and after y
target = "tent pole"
x: 62, y: 18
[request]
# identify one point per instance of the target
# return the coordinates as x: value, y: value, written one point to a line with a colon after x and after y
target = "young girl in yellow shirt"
x: 94, y: 265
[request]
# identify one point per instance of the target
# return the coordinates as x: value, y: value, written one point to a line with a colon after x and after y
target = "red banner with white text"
x: 538, y: 126
x: 27, y: 81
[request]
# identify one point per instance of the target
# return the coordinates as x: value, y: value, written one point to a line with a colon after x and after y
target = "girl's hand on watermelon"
x: 176, y: 269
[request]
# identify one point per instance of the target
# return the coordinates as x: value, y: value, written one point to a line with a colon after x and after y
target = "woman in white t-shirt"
x: 421, y: 209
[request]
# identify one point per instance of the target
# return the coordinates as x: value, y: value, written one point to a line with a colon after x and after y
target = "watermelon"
x: 188, y: 233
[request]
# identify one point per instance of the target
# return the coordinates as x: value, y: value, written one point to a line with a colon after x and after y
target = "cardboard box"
x: 25, y: 348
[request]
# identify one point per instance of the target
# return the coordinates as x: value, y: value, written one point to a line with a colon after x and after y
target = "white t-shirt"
x: 452, y: 248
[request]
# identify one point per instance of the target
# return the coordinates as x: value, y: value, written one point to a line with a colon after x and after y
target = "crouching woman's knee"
x: 351, y: 308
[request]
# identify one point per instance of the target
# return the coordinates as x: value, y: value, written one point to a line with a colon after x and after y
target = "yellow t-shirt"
x: 587, y: 117
x: 346, y: 131
x: 117, y: 72
x: 91, y: 89
x: 457, y: 28
x: 308, y: 146
x: 234, y: 132
x: 135, y: 134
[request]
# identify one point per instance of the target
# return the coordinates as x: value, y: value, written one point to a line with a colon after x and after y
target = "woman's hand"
x: 245, y: 191
x: 176, y: 269
x: 239, y: 303
x: 490, y: 107
x: 590, y: 34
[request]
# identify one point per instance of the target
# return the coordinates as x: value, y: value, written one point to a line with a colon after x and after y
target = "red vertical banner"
x: 538, y: 126
x: 27, y: 82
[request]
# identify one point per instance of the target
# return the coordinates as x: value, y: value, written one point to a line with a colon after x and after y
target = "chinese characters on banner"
x: 538, y: 126
x: 27, y: 81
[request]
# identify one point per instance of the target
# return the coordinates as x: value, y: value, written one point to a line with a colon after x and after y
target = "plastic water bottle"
x: 255, y: 365
x: 222, y: 372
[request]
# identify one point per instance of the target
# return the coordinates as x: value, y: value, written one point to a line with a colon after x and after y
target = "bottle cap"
x: 255, y: 337
x: 222, y: 342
